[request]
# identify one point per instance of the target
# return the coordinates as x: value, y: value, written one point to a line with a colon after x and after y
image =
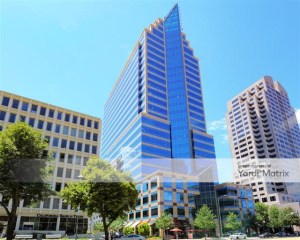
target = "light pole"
x: 220, y: 220
x: 76, y: 223
x: 80, y: 177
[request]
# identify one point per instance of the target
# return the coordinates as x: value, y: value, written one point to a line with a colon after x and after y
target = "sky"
x: 70, y: 53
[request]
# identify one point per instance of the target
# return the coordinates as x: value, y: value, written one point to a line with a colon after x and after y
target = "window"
x: 168, y: 196
x: 2, y: 115
x: 59, y: 172
x: 49, y: 126
x: 46, y: 203
x: 68, y: 173
x: 31, y: 122
x: 273, y: 199
x: 79, y: 146
x: 22, y: 118
x: 153, y: 197
x: 95, y: 137
x: 66, y: 130
x: 12, y: 118
x: 15, y: 104
x: 154, y: 211
x: 88, y: 135
x: 74, y: 120
x: 57, y: 128
x: 55, y: 142
x: 96, y: 125
x: 40, y: 124
x: 72, y: 145
x: 89, y: 123
x: 78, y: 160
x: 87, y: 148
x: 59, y: 115
x: 179, y: 197
x: 145, y: 213
x: 62, y: 157
x: 80, y: 133
x: 25, y: 106
x: 94, y: 149
x: 180, y: 211
x: 57, y: 187
x: 5, y: 101
x: 43, y: 111
x: 67, y: 117
x: 55, y: 203
x: 85, y: 160
x: 145, y: 199
x: 33, y: 108
x: 63, y: 143
x: 82, y: 121
x: 51, y: 113
x: 73, y: 132
x: 70, y: 159
x: 76, y: 174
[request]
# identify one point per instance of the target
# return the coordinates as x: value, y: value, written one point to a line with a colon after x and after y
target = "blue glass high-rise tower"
x: 155, y: 111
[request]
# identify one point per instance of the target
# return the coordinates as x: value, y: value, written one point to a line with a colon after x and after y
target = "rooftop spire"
x: 173, y: 17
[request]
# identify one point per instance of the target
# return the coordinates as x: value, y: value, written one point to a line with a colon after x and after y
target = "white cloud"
x: 217, y: 125
x: 297, y: 111
x: 224, y: 138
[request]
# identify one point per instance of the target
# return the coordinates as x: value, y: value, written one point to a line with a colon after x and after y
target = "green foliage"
x: 232, y: 222
x: 118, y: 224
x: 23, y: 169
x: 205, y: 219
x: 128, y: 230
x: 164, y: 222
x: 262, y: 214
x: 274, y: 220
x: 144, y: 229
x: 288, y: 217
x: 104, y: 190
x: 98, y: 227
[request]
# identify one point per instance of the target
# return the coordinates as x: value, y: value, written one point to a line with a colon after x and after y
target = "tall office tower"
x: 262, y: 125
x: 73, y: 138
x: 154, y: 117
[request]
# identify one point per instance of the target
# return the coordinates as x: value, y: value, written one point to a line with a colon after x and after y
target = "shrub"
x: 144, y: 229
x: 128, y: 230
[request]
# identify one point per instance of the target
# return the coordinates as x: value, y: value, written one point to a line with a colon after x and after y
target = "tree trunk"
x: 11, y: 223
x: 105, y: 227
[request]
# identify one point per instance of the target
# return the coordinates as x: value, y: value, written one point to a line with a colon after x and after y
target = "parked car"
x: 281, y: 234
x: 133, y: 237
x: 238, y: 236
x: 266, y: 235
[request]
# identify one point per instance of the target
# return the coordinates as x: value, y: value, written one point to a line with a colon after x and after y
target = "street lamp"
x: 80, y: 177
x: 220, y: 220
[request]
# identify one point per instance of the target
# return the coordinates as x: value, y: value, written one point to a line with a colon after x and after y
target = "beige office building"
x: 73, y: 138
x: 262, y: 125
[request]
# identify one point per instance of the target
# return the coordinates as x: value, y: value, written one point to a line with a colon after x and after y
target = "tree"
x: 205, y: 219
x: 144, y: 229
x: 128, y: 230
x: 288, y: 217
x: 23, y: 169
x: 164, y: 222
x: 262, y: 215
x: 98, y: 227
x: 232, y: 222
x: 274, y: 220
x: 104, y: 190
x: 118, y: 224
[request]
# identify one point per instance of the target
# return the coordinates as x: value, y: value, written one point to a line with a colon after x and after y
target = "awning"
x: 143, y: 222
x: 128, y: 224
x: 152, y: 221
x: 135, y: 224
